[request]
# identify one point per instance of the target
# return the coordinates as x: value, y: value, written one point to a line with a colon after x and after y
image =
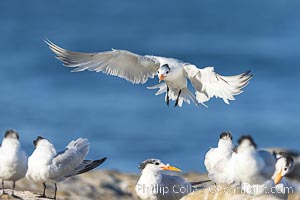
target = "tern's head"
x: 225, y: 140
x: 11, y: 133
x: 284, y: 165
x: 155, y: 165
x: 246, y: 142
x: 163, y: 72
x: 39, y: 140
x: 226, y: 136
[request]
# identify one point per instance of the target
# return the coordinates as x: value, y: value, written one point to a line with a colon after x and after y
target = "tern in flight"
x: 137, y: 69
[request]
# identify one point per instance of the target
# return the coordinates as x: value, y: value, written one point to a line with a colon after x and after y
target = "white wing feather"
x: 121, y: 63
x: 208, y: 84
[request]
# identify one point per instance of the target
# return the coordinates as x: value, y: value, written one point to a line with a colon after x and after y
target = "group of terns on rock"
x: 45, y: 165
x: 243, y: 168
x: 255, y: 171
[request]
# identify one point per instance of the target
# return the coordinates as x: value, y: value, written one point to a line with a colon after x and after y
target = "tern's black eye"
x: 285, y: 169
x: 156, y: 163
x: 167, y: 72
x: 158, y: 71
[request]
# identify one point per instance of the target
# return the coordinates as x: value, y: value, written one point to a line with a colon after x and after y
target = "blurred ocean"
x: 126, y: 122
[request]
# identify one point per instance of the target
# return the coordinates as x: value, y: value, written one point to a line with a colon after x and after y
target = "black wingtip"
x: 102, y: 160
x: 96, y: 163
x: 93, y: 165
x: 247, y: 73
x: 200, y: 182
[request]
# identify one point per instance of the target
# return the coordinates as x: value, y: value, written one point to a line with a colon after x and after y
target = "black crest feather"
x: 146, y: 162
x: 226, y: 134
x: 11, y: 131
x: 35, y: 142
x: 247, y: 137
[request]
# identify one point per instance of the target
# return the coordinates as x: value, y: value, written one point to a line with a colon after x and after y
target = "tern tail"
x: 173, y: 94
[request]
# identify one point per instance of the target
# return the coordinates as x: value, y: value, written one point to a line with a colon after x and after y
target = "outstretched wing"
x: 121, y: 63
x: 209, y: 84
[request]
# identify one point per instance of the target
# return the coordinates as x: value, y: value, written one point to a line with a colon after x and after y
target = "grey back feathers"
x: 269, y: 161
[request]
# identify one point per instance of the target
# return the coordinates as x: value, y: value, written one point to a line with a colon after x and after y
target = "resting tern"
x: 217, y: 159
x: 278, y: 185
x: 137, y: 69
x: 155, y: 184
x: 13, y: 160
x: 253, y: 166
x: 46, y: 165
x: 284, y: 165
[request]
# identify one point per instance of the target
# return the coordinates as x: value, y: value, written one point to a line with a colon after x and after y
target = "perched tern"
x: 13, y: 160
x: 155, y: 184
x: 46, y: 165
x: 284, y: 165
x: 278, y: 185
x: 253, y: 166
x: 217, y: 160
x: 137, y: 69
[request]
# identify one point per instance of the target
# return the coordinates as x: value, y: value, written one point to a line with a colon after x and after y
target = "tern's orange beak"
x: 161, y: 77
x: 278, y: 177
x: 171, y: 168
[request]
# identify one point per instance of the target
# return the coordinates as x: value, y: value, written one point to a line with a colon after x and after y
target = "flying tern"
x: 13, y: 160
x: 155, y: 184
x: 137, y: 69
x: 46, y: 165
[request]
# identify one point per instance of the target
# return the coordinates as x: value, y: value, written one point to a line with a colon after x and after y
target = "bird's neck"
x: 225, y: 144
x: 10, y: 144
x: 45, y: 153
x: 247, y: 150
x: 150, y: 177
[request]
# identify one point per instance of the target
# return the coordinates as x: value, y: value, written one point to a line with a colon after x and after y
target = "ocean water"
x: 126, y: 122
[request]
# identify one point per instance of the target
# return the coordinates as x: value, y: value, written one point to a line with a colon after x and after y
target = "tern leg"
x: 168, y: 99
x: 3, y: 192
x: 55, y: 190
x: 176, y: 103
x: 14, y: 185
x: 44, y: 192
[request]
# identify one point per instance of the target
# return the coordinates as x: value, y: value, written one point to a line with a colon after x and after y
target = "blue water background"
x: 126, y: 122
